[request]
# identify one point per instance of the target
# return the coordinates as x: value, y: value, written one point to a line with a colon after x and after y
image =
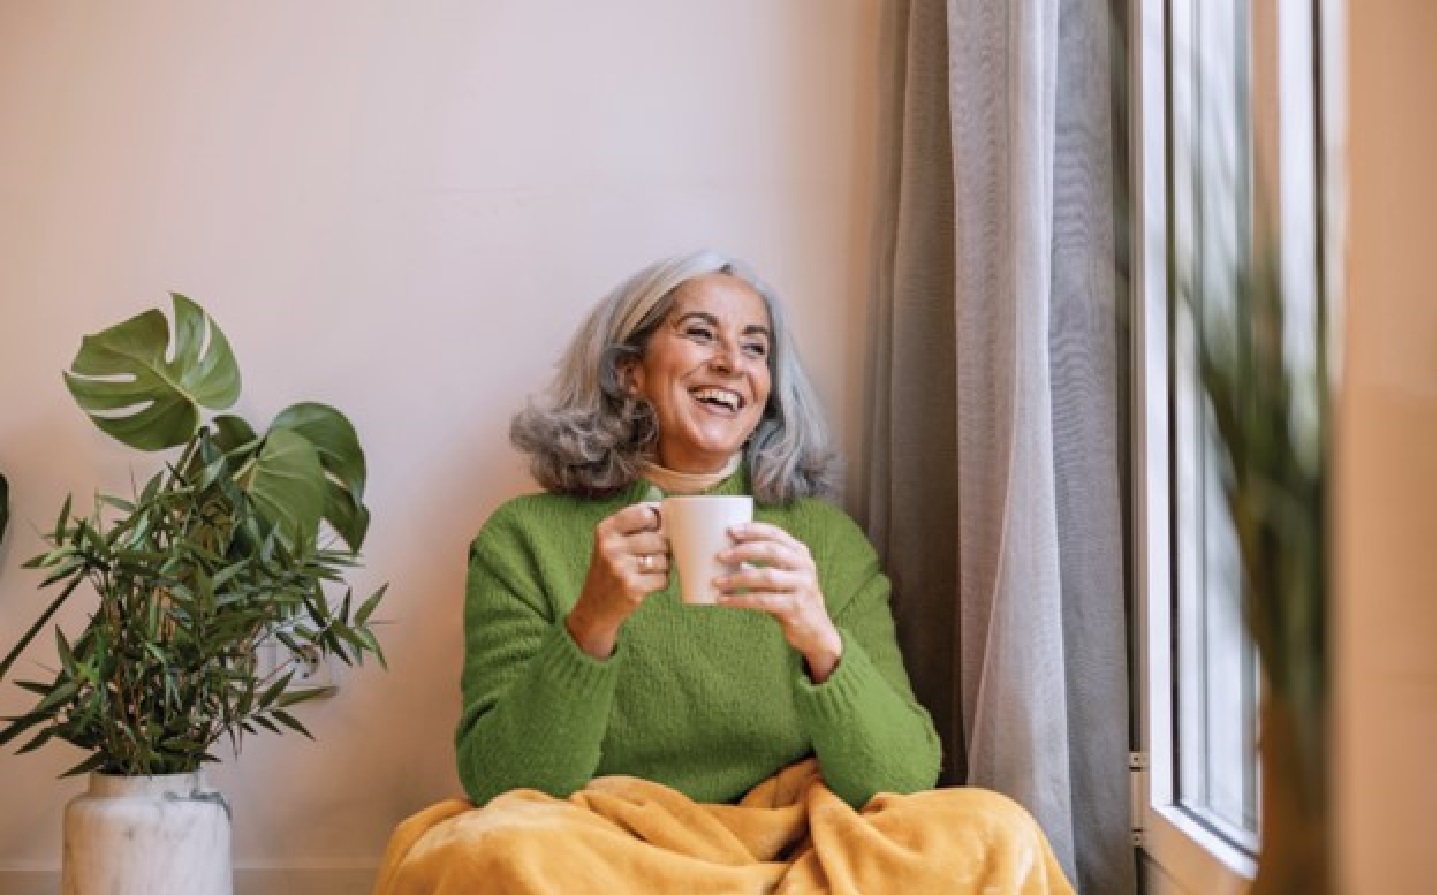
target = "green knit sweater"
x: 707, y: 700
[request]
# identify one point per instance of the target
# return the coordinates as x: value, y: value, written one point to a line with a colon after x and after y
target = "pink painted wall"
x: 403, y: 210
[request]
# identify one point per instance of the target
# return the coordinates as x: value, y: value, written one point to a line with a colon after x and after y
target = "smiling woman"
x: 608, y: 728
x: 593, y: 430
x: 705, y: 372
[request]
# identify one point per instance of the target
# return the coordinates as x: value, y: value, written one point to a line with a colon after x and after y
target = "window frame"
x: 1192, y: 855
x: 1296, y: 54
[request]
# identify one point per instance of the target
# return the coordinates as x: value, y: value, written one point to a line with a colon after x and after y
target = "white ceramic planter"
x: 167, y: 835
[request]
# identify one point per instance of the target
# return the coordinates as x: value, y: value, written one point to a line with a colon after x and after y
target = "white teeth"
x: 723, y: 397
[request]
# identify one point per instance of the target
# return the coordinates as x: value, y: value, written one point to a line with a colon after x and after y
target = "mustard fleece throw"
x: 790, y: 834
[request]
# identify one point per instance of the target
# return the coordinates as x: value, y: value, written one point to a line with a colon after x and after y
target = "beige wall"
x: 401, y: 209
x: 1386, y: 619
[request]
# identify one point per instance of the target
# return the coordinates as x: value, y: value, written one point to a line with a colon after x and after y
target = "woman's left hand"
x: 782, y: 580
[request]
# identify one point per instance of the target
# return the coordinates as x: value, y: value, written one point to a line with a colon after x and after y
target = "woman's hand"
x: 629, y: 562
x: 782, y: 580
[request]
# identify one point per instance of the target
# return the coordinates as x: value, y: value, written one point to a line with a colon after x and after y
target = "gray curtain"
x: 994, y: 489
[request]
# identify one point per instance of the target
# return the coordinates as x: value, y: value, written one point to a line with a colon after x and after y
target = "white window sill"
x: 1195, y: 858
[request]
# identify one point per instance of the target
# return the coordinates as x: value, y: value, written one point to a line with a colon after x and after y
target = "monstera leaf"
x: 337, y: 444
x: 232, y: 432
x: 120, y: 376
x: 286, y: 484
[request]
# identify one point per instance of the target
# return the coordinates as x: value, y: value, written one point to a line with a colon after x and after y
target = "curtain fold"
x: 913, y: 495
x: 994, y: 480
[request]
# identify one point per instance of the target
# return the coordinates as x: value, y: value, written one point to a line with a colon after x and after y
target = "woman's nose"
x: 723, y: 360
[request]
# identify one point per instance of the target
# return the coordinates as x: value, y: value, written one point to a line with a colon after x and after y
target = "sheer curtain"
x: 994, y: 488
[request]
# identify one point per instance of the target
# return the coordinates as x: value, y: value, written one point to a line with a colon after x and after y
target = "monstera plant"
x: 233, y: 551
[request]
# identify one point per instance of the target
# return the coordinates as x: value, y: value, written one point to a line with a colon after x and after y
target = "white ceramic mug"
x: 697, y: 528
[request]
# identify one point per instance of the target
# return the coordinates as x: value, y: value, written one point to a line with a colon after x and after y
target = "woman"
x: 608, y: 729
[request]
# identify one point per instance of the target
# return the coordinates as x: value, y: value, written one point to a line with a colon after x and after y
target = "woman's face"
x: 705, y: 371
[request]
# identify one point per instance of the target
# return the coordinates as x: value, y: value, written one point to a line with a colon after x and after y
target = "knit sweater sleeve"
x: 867, y: 728
x: 536, y: 707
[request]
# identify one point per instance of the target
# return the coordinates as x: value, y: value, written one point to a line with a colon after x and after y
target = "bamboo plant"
x: 235, y: 546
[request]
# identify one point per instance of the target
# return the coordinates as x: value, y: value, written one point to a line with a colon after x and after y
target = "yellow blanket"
x: 789, y: 835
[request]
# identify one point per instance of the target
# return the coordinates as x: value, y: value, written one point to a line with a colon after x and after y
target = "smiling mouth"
x: 719, y: 398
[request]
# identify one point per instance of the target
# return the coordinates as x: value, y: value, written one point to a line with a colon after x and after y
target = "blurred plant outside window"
x: 1225, y: 102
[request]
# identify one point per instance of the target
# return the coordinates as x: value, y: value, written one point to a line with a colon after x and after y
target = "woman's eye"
x: 756, y: 349
x: 701, y: 333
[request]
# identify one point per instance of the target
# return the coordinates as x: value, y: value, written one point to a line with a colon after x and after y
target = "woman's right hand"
x: 629, y: 562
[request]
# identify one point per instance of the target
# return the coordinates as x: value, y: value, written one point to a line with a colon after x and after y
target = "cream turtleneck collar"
x: 673, y: 482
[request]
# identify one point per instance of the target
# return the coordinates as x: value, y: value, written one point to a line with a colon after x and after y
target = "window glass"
x: 1210, y: 179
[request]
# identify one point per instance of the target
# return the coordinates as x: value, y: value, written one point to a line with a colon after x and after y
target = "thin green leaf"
x: 291, y: 722
x: 294, y: 697
x: 37, y: 741
x: 117, y: 503
x: 39, y: 625
x: 275, y: 691
x: 369, y: 605
x: 4, y: 505
x: 61, y: 523
x: 19, y: 725
x: 373, y: 643
x: 57, y: 697
x: 93, y: 763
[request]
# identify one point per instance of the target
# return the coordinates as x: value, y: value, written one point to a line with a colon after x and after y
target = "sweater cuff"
x: 838, y: 697
x: 561, y: 664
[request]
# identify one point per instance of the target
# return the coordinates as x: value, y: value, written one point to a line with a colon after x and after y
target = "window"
x: 1226, y: 105
x: 1209, y: 194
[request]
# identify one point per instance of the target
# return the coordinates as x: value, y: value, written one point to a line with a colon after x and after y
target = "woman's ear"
x: 631, y: 376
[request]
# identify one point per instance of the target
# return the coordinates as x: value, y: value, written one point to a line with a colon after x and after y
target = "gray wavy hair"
x: 587, y: 435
